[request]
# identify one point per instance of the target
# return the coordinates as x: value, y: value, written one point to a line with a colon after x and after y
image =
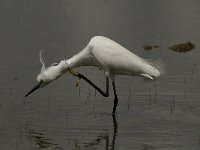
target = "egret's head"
x: 48, y: 74
x: 51, y: 73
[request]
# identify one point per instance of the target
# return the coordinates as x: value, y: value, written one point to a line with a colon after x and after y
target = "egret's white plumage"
x: 105, y: 54
x: 113, y: 58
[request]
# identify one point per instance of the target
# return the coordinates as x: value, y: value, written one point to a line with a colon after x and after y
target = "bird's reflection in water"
x: 40, y: 140
x: 44, y: 143
x: 105, y: 138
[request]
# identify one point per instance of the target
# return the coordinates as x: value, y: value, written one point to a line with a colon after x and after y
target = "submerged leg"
x: 105, y: 94
x: 116, y: 98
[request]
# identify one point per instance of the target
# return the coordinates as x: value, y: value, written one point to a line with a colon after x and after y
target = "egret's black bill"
x: 33, y: 89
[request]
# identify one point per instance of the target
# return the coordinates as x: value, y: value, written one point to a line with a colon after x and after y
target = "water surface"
x: 158, y: 115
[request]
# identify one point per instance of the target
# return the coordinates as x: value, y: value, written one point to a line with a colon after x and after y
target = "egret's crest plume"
x: 42, y: 61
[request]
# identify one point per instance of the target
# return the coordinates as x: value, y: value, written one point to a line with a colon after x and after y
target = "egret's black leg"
x: 116, y: 99
x: 105, y: 94
x: 115, y: 127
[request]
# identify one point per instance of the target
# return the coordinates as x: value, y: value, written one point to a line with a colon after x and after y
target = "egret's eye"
x: 54, y: 64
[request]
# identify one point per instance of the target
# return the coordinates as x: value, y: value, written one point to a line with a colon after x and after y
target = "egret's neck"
x: 72, y: 62
x: 83, y: 58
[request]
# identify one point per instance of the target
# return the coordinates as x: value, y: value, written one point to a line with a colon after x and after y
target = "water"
x: 159, y: 115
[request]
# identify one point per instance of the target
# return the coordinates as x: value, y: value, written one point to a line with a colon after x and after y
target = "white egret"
x: 105, y: 54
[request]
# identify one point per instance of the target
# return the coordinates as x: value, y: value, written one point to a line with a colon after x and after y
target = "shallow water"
x: 158, y: 115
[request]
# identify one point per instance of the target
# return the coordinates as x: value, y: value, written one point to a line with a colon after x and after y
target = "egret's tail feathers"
x: 146, y: 76
x: 158, y: 64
